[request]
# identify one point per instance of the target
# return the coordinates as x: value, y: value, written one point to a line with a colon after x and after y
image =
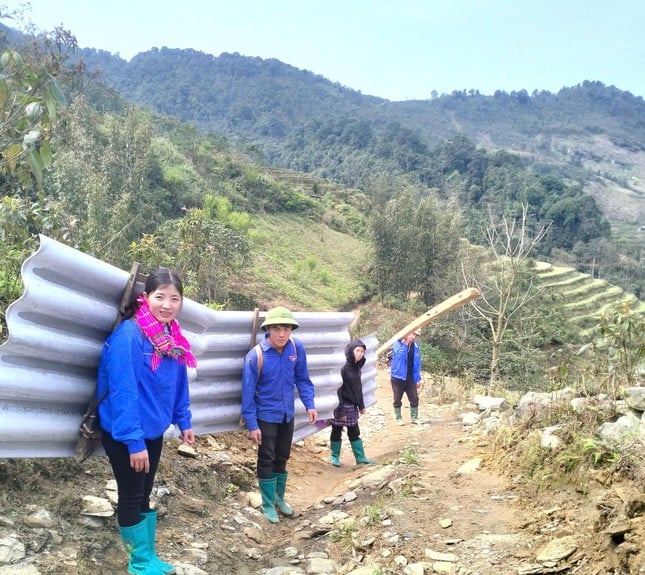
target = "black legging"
x: 353, y: 432
x: 134, y: 487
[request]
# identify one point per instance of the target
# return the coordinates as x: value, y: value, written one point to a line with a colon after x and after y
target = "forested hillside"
x: 423, y: 217
x: 303, y: 121
x: 589, y: 137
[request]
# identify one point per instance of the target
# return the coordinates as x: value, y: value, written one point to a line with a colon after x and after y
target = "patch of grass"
x: 304, y: 264
x: 409, y: 456
x: 408, y: 487
x: 579, y: 455
x: 373, y: 514
x: 343, y: 533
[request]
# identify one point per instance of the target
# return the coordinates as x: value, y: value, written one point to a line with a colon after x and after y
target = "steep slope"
x: 303, y: 264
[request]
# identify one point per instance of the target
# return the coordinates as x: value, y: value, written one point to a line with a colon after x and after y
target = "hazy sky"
x: 395, y: 49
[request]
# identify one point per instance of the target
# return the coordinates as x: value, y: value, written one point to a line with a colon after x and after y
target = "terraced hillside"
x: 630, y: 235
x: 585, y: 298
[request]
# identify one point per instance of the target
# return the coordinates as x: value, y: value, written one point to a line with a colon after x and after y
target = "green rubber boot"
x: 280, y: 487
x: 267, y: 490
x: 359, y: 452
x: 398, y: 416
x: 414, y: 415
x: 335, y: 452
x: 151, y: 519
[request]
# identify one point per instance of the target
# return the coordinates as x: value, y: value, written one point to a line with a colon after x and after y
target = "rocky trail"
x: 435, y: 501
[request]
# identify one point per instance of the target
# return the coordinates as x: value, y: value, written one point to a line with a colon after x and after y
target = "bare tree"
x: 504, y: 285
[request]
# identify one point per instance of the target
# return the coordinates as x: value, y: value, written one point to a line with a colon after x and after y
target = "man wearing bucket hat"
x: 273, y: 370
x: 405, y: 375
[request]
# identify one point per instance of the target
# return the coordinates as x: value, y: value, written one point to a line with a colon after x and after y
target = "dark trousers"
x: 353, y: 433
x: 134, y: 487
x: 399, y: 387
x: 275, y: 449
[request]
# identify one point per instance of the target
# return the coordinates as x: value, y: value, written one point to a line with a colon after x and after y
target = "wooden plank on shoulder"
x: 448, y: 305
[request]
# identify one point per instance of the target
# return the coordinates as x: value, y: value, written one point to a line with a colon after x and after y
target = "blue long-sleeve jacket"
x: 399, y: 365
x: 271, y: 398
x: 141, y: 403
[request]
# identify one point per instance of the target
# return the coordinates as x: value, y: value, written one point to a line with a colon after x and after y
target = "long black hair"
x: 157, y: 278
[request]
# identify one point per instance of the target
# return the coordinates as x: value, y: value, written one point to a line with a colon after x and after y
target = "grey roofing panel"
x: 55, y: 336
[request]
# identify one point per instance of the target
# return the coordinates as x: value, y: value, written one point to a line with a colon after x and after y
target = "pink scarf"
x: 172, y: 344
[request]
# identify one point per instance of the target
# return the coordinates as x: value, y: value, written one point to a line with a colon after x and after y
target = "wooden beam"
x: 452, y: 303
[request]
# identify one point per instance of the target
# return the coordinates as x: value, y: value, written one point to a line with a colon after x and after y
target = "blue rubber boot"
x: 280, y: 487
x: 267, y: 490
x: 151, y: 518
x: 135, y: 539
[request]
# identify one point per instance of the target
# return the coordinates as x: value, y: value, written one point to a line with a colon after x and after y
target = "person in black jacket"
x: 350, y: 405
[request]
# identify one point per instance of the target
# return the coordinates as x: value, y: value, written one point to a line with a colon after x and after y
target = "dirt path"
x: 470, y: 514
x: 447, y: 499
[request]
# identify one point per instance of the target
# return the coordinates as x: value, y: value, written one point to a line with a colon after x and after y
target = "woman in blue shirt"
x: 143, y: 386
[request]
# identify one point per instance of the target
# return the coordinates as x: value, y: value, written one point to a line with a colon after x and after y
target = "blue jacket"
x: 272, y: 397
x: 141, y: 404
x: 399, y: 365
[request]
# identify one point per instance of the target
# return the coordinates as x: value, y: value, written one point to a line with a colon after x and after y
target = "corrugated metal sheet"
x: 56, y: 332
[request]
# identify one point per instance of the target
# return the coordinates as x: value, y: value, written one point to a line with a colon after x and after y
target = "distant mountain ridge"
x: 591, y: 133
x: 230, y: 81
x: 234, y: 95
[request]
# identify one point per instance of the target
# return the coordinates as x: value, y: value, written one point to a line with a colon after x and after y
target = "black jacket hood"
x: 349, y: 352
